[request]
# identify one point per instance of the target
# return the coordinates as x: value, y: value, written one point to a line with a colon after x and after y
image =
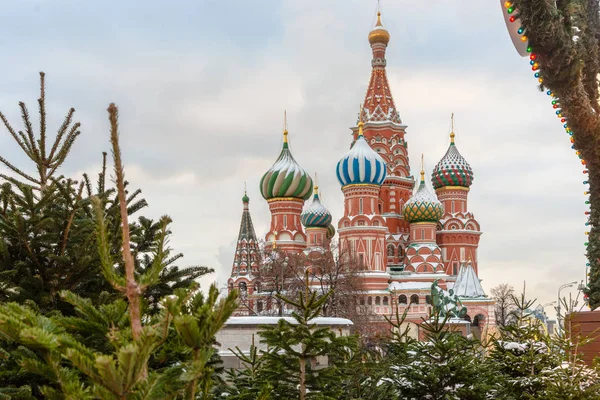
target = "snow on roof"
x: 410, y: 285
x: 252, y: 320
x: 467, y: 283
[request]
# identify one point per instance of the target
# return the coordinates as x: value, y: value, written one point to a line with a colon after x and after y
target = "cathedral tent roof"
x: 467, y: 283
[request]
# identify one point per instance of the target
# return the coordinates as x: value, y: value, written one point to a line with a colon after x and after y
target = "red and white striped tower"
x: 459, y: 232
x: 362, y: 229
x: 384, y: 131
x: 286, y: 186
x: 423, y: 211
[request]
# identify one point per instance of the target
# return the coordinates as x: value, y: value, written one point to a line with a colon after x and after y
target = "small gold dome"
x: 379, y: 34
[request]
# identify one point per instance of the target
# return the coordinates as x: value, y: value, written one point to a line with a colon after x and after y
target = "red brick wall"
x: 585, y: 323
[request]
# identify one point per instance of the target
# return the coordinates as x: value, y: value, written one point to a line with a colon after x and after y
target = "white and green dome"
x: 316, y: 215
x: 286, y: 178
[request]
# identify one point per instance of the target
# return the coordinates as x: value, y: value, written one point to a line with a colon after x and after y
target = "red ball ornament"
x: 512, y: 19
x: 563, y: 120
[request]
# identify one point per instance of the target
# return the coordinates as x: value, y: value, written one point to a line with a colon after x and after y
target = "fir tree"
x: 289, y: 369
x: 564, y: 35
x: 445, y: 365
x: 531, y: 364
x: 105, y: 352
x: 48, y: 236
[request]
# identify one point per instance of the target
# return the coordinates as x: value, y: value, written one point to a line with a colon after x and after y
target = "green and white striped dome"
x: 286, y: 178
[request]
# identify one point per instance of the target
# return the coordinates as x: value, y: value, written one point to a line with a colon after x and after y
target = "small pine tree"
x: 106, y: 352
x: 289, y: 369
x: 445, y: 365
x: 48, y: 237
x: 531, y: 364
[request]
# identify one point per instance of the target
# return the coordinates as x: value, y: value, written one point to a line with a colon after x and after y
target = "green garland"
x: 564, y: 35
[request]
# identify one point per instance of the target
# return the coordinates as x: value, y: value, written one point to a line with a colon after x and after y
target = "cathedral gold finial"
x: 360, y: 121
x: 379, y: 34
x: 285, y: 131
x: 422, y: 168
x: 452, y: 131
x: 316, y: 188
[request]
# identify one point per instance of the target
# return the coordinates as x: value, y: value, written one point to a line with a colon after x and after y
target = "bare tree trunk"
x: 133, y: 291
x: 302, y: 377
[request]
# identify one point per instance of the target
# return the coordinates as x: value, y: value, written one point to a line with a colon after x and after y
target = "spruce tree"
x: 564, y: 36
x: 106, y: 352
x: 531, y: 364
x: 48, y: 235
x: 446, y: 364
x: 289, y: 369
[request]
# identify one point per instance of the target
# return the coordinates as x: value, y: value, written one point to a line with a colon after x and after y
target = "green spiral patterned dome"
x: 452, y: 170
x: 423, y: 206
x: 286, y: 178
x: 330, y: 231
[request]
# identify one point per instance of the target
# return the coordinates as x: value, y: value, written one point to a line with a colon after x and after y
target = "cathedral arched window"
x: 243, y: 288
x: 362, y: 301
x: 369, y: 300
x: 479, y: 320
x: 377, y: 301
x: 414, y: 299
x: 390, y: 250
x: 402, y: 299
x: 400, y: 251
x: 385, y: 300
x: 428, y: 299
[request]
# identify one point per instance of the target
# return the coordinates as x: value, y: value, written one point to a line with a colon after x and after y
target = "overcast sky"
x: 202, y: 85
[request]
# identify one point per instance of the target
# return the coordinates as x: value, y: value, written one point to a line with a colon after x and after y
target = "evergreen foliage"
x: 565, y: 36
x: 290, y: 368
x: 48, y: 239
x: 93, y: 306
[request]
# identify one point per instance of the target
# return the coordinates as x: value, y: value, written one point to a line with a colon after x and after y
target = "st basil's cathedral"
x: 403, y: 239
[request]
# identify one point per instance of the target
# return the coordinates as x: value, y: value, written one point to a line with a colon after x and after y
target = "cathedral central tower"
x: 385, y: 133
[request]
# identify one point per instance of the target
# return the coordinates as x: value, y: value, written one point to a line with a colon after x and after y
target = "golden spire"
x: 360, y: 122
x: 379, y: 34
x: 422, y: 168
x: 316, y: 188
x: 452, y: 131
x: 378, y: 14
x: 285, y: 131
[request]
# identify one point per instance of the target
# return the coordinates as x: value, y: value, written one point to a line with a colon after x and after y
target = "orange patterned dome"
x: 379, y: 34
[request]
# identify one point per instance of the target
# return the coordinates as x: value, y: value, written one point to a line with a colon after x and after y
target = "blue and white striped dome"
x: 361, y: 165
x: 316, y: 215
